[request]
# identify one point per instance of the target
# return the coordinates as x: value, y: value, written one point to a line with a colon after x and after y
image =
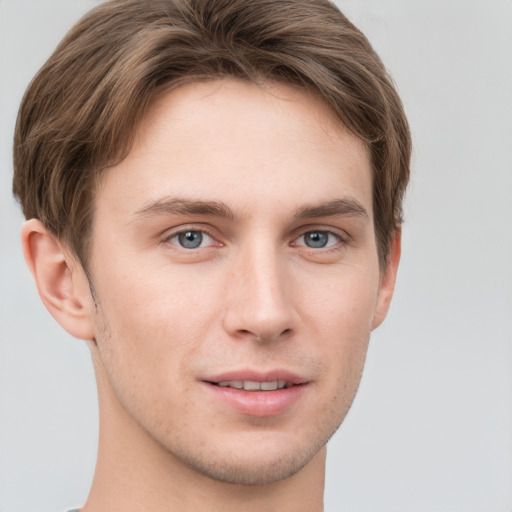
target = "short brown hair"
x: 81, y: 110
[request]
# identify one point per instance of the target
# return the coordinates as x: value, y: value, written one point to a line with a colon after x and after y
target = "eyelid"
x: 338, y: 238
x: 343, y: 236
x: 169, y: 234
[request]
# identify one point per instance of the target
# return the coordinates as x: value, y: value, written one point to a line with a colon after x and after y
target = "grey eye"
x: 190, y: 239
x: 316, y: 239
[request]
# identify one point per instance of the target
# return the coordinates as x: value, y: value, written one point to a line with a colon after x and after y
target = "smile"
x: 252, y: 385
x: 255, y: 393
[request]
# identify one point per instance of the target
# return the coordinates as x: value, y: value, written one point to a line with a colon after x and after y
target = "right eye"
x: 191, y: 239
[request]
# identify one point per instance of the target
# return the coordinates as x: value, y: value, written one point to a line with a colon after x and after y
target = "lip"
x: 257, y: 403
x: 261, y: 376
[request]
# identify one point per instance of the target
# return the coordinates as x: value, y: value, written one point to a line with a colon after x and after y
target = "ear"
x: 60, y: 279
x: 387, y: 279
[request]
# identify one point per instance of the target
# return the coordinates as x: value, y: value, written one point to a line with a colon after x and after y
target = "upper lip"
x: 257, y: 376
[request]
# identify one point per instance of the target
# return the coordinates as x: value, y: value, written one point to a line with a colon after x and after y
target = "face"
x: 236, y: 278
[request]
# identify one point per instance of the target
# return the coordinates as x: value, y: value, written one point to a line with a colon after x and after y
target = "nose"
x: 258, y: 296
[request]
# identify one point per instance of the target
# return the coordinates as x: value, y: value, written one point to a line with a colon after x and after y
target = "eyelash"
x: 175, y: 235
x: 328, y: 246
x: 339, y: 241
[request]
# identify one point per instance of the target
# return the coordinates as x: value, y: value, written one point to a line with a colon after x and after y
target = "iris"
x: 316, y: 239
x: 190, y: 239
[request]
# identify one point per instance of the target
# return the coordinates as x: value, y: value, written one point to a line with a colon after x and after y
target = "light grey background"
x: 431, y: 428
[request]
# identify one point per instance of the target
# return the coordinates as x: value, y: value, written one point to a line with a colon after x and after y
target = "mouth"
x: 256, y: 393
x: 254, y: 385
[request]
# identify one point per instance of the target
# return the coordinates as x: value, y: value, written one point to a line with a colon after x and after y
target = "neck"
x: 134, y: 473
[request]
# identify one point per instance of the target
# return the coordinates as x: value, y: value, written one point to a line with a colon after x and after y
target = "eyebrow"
x: 343, y: 207
x: 177, y: 206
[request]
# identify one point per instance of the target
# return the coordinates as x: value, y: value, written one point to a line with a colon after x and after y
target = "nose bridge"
x: 259, y: 304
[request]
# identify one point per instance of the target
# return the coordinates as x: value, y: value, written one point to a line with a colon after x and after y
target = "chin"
x: 248, y: 471
x: 264, y: 460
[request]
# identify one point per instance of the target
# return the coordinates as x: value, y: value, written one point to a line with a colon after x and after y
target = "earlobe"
x: 388, y: 279
x: 60, y: 279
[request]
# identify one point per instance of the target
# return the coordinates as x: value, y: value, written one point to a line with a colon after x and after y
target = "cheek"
x: 339, y: 318
x: 154, y: 316
x: 341, y: 303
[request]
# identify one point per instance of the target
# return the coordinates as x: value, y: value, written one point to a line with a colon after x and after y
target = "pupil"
x: 316, y: 239
x: 190, y: 239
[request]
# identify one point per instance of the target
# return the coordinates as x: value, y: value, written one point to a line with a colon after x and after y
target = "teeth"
x: 238, y: 384
x: 251, y: 385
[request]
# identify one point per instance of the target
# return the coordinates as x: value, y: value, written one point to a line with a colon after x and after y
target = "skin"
x: 260, y: 174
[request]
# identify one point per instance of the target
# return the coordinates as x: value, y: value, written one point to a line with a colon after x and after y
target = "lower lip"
x: 258, y: 403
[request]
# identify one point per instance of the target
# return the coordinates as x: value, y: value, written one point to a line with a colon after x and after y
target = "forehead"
x: 242, y: 143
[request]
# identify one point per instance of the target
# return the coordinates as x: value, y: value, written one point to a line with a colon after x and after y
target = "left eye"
x: 318, y: 239
x: 191, y: 239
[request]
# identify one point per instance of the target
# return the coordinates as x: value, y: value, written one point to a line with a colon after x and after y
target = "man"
x: 213, y: 192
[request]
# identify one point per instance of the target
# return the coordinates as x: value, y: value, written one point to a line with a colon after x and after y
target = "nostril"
x: 264, y: 336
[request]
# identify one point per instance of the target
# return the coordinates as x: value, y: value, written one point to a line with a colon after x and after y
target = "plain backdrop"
x: 431, y: 427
